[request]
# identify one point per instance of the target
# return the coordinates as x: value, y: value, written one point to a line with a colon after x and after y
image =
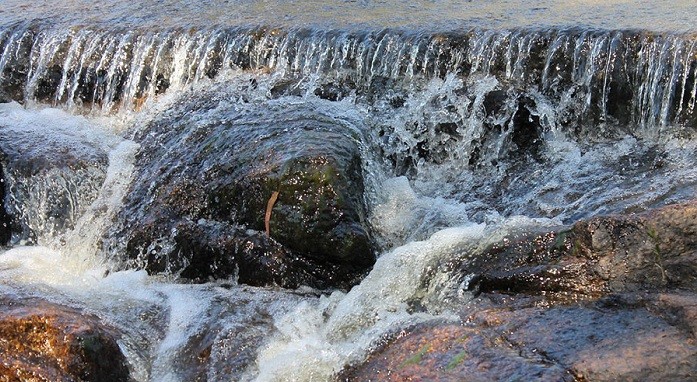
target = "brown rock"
x: 42, y: 341
x: 648, y: 251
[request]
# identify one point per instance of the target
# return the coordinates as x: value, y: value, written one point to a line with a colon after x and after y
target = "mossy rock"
x: 196, y: 173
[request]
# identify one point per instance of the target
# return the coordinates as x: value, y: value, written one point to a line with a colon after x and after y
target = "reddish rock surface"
x: 609, y: 299
x: 523, y: 341
x: 42, y: 341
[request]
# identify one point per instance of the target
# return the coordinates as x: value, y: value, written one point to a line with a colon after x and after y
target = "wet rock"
x: 289, y: 166
x: 224, y: 353
x: 610, y: 298
x: 4, y: 97
x: 504, y: 338
x: 512, y: 116
x: 15, y: 71
x: 50, y: 177
x: 650, y: 251
x: 5, y: 221
x: 336, y: 89
x: 42, y: 341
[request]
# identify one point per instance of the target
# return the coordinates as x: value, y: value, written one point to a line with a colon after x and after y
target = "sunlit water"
x: 616, y: 14
x: 421, y: 97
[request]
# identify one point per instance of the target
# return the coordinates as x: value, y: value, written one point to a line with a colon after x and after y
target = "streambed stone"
x: 42, y: 341
x: 519, y: 338
x: 609, y: 298
x: 212, y: 175
x: 654, y: 250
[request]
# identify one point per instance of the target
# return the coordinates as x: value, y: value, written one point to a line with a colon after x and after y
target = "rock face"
x: 209, y: 191
x: 51, y: 175
x: 42, y: 341
x: 611, y: 298
x: 595, y: 257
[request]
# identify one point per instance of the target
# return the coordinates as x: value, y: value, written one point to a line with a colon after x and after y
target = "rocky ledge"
x: 610, y: 298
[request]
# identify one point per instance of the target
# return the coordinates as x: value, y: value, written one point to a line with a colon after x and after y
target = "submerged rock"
x: 51, y: 173
x: 611, y: 298
x: 42, y: 341
x: 209, y: 190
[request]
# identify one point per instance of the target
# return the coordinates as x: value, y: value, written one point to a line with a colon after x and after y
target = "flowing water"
x: 478, y: 119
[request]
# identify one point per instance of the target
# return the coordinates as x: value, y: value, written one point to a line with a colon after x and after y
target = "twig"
x: 269, y: 207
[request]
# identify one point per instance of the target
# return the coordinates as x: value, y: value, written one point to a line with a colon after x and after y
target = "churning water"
x: 478, y: 118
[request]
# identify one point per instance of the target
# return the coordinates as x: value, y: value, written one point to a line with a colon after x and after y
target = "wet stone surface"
x: 520, y: 338
x: 272, y: 195
x: 611, y: 298
x: 42, y: 341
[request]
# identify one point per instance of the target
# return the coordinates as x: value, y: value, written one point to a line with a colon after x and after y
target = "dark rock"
x: 17, y: 67
x: 4, y: 97
x: 42, y: 341
x: 512, y: 130
x: 198, y: 204
x: 494, y: 102
x: 335, y: 89
x: 527, y: 130
x: 51, y: 176
x: 5, y: 220
x: 654, y: 250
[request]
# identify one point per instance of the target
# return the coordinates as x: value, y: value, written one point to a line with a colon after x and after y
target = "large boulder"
x: 271, y: 193
x: 42, y: 341
x: 610, y: 298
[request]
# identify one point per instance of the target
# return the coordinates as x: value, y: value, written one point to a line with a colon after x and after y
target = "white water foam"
x: 317, y: 339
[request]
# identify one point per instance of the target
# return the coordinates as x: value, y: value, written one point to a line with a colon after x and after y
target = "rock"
x: 650, y: 251
x: 610, y: 298
x: 210, y: 249
x: 523, y: 339
x: 4, y: 97
x: 18, y: 66
x: 215, y: 179
x: 5, y: 221
x: 42, y: 341
x: 51, y: 173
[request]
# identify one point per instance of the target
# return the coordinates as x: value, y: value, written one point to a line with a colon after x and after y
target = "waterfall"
x: 106, y: 70
x: 143, y: 159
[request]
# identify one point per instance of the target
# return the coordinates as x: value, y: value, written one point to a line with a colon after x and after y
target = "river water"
x: 481, y: 118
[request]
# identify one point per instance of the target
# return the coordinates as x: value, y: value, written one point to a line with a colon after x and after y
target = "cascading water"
x: 467, y: 131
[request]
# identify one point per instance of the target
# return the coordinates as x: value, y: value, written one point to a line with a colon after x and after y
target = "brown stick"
x: 269, y: 207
